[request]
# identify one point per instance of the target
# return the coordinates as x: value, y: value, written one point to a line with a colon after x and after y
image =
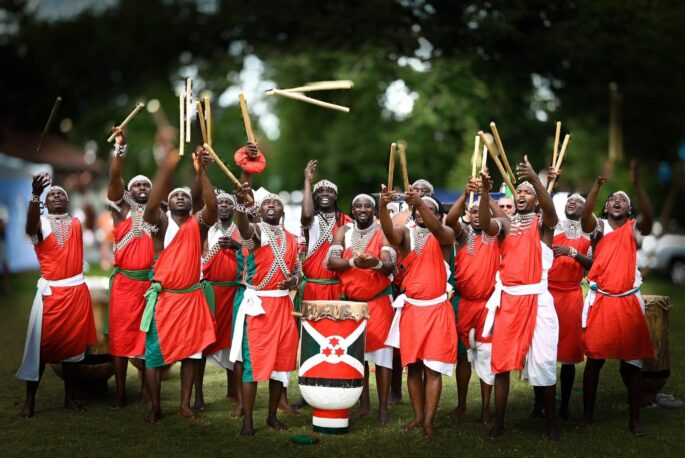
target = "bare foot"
x: 496, y: 431
x: 144, y: 396
x: 238, y: 412
x: 415, y: 423
x: 118, y: 403
x: 154, y: 416
x: 485, y: 418
x: 299, y: 404
x: 394, y: 401
x: 458, y: 411
x: 187, y: 412
x: 584, y: 422
x: 288, y: 410
x: 429, y: 431
x: 637, y: 429
x: 231, y: 397
x: 275, y: 424
x: 28, y: 410
x: 360, y: 413
x: 199, y: 405
x: 383, y: 416
x: 248, y: 427
x: 74, y: 406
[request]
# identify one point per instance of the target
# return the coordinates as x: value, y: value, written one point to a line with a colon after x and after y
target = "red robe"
x: 68, y: 326
x: 183, y: 321
x: 475, y: 282
x: 512, y: 335
x: 126, y: 301
x: 314, y: 267
x: 564, y: 284
x: 363, y: 285
x: 427, y: 332
x: 272, y: 337
x: 616, y: 326
x: 222, y: 267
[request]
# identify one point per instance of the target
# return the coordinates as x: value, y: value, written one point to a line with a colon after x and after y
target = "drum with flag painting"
x: 331, y: 374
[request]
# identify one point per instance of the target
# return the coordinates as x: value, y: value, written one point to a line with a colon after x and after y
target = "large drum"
x: 657, y: 370
x: 331, y: 373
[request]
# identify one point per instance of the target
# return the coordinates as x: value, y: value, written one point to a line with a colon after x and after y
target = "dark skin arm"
x: 588, y: 221
x: 549, y: 215
x: 487, y: 221
x: 562, y: 250
x: 252, y: 152
x: 457, y: 210
x: 646, y: 217
x: 444, y: 234
x: 116, y: 187
x: 210, y: 211
x: 307, y: 215
x: 396, y: 236
x: 362, y: 260
x: 247, y: 230
x: 38, y: 185
x: 196, y: 187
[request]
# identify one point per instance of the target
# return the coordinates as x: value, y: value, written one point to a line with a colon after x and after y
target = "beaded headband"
x: 430, y: 199
x: 527, y: 184
x: 324, y: 184
x: 58, y: 188
x: 138, y: 178
x: 623, y: 194
x: 183, y: 190
x: 223, y: 195
x: 426, y: 183
x: 275, y: 197
x: 577, y: 196
x: 364, y: 196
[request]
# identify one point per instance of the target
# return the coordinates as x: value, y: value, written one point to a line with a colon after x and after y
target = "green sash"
x: 140, y: 275
x: 304, y: 280
x: 387, y: 291
x: 152, y: 294
x: 224, y: 283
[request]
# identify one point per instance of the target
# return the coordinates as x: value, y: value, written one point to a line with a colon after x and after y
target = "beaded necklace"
x: 59, y: 224
x: 326, y: 224
x: 361, y: 237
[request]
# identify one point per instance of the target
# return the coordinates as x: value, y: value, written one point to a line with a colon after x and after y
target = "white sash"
x: 250, y: 306
x: 393, y: 339
x: 30, y: 364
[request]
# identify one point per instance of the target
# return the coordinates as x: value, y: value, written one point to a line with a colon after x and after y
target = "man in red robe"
x: 177, y: 318
x: 220, y: 269
x: 521, y: 309
x: 133, y: 258
x: 365, y: 263
x: 613, y: 313
x: 265, y: 335
x: 61, y: 324
x: 424, y: 327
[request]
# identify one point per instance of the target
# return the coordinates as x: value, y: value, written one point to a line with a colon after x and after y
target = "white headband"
x: 364, y: 196
x: 577, y: 196
x: 430, y: 199
x: 138, y: 178
x: 527, y: 184
x: 57, y: 188
x: 426, y: 183
x: 324, y: 184
x: 183, y: 190
x: 271, y: 197
x: 223, y: 195
x: 621, y: 193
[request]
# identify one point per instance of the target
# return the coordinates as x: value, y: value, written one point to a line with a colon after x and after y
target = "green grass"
x: 101, y: 432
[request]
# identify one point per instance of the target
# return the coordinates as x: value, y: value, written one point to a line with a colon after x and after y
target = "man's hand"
x: 199, y: 160
x: 411, y: 197
x: 525, y: 172
x: 39, y: 183
x: 387, y: 196
x: 600, y: 181
x: 485, y: 180
x: 166, y: 136
x: 242, y: 191
x: 310, y: 169
x: 288, y: 283
x: 552, y: 174
x: 634, y: 172
x: 227, y: 242
x: 119, y: 136
x: 365, y: 261
x: 472, y: 186
x: 252, y: 150
x: 561, y: 250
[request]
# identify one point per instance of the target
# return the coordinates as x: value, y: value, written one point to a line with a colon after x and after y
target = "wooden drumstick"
x: 246, y: 118
x: 223, y: 167
x: 181, y: 124
x: 297, y: 314
x: 474, y: 158
x: 304, y: 98
x: 556, y: 143
x: 391, y: 166
x: 557, y: 167
x: 322, y: 86
x: 484, y: 161
x: 403, y: 164
x: 53, y: 112
x: 208, y: 119
x: 498, y: 141
x: 201, y: 120
x: 495, y: 153
x: 189, y: 107
x: 128, y: 119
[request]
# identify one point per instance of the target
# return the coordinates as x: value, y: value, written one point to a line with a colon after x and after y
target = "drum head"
x: 334, y: 310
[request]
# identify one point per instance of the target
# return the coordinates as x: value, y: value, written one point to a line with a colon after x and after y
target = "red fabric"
x: 564, y: 285
x: 363, y: 284
x: 184, y: 322
x: 249, y: 165
x: 272, y: 337
x: 427, y: 332
x: 313, y: 267
x: 616, y: 326
x: 475, y: 281
x: 515, y: 318
x: 222, y: 267
x: 68, y: 325
x: 126, y: 301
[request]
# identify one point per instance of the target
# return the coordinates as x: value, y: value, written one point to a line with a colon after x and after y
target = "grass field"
x: 100, y: 432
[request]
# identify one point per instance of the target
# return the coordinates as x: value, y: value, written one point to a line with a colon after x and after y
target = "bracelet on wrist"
x: 573, y: 252
x: 119, y: 150
x: 378, y: 266
x: 351, y: 262
x: 35, y: 198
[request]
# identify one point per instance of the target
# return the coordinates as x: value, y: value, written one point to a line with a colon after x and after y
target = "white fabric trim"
x: 30, y: 365
x: 222, y: 359
x: 75, y: 359
x: 281, y: 376
x: 480, y: 357
x: 393, y: 339
x: 250, y: 306
x: 381, y: 357
x: 197, y: 355
x: 440, y: 367
x: 171, y: 230
x: 323, y: 422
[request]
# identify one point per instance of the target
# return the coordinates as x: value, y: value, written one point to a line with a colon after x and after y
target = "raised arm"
x: 549, y: 215
x: 457, y: 210
x: 38, y: 185
x: 646, y: 216
x: 394, y: 235
x: 248, y: 232
x: 161, y: 183
x: 209, y: 211
x: 116, y: 187
x: 444, y: 234
x: 307, y: 215
x: 487, y: 222
x: 588, y: 221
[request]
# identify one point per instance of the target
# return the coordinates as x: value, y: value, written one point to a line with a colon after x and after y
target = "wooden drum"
x: 657, y: 370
